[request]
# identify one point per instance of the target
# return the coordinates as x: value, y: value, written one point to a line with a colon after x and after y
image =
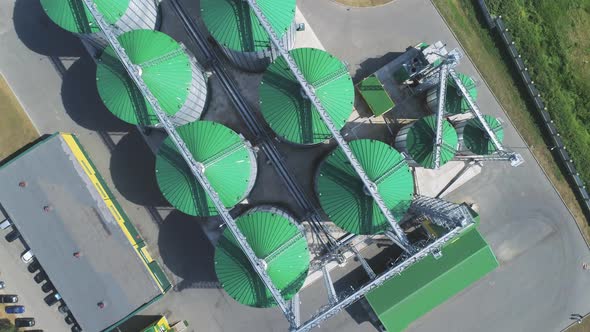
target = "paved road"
x: 540, y: 281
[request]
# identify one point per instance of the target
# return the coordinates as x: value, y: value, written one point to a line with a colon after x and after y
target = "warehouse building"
x: 79, y: 234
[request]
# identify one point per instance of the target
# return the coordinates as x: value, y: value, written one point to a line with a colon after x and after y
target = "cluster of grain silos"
x: 287, y: 109
x: 418, y: 141
x: 239, y: 32
x: 275, y: 238
x: 176, y: 80
x: 229, y: 164
x: 344, y: 197
x: 127, y: 15
x: 169, y: 71
x: 455, y: 103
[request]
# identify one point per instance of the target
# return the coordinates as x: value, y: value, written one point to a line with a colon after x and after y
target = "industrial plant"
x: 364, y: 189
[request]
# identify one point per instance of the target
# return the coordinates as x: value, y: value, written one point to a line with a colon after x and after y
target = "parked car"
x: 63, y: 308
x: 24, y: 322
x: 34, y: 266
x: 27, y: 257
x: 8, y: 299
x: 14, y: 309
x: 70, y: 320
x: 5, y: 224
x: 2, y: 284
x: 76, y: 328
x: 52, y: 299
x: 13, y: 235
x: 47, y: 287
x: 39, y: 277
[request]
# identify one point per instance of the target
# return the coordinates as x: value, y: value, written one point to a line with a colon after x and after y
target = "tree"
x: 6, y: 326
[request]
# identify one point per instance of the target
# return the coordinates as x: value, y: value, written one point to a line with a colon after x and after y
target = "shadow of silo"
x: 36, y: 30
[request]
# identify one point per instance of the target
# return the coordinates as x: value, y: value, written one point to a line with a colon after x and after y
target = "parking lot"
x: 19, y: 281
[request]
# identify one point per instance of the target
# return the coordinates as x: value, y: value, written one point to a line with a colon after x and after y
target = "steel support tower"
x: 291, y: 309
x: 310, y: 93
x: 197, y: 168
x: 445, y: 69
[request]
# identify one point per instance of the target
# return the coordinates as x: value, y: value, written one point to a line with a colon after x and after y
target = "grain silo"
x: 475, y: 139
x: 455, y: 103
x: 287, y: 109
x: 127, y: 15
x: 168, y: 69
x: 344, y: 197
x: 239, y: 32
x: 417, y: 140
x: 229, y: 164
x: 278, y: 241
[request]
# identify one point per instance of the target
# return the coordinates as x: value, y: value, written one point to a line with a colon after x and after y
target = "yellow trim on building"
x: 91, y: 173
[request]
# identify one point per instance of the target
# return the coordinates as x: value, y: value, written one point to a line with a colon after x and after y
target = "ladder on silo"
x: 442, y: 94
x: 310, y: 92
x: 197, y: 169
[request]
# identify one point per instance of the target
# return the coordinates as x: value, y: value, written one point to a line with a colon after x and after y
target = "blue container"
x: 15, y: 309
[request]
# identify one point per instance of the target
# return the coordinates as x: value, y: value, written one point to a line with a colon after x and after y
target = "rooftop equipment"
x: 289, y: 111
x: 344, y: 198
x: 474, y: 138
x: 418, y: 140
x: 169, y: 70
x: 455, y: 103
x: 127, y: 15
x: 228, y: 161
x: 374, y: 94
x: 240, y: 34
x: 278, y: 241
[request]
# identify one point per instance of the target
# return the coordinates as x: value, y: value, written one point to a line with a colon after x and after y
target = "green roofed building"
x: 475, y: 139
x: 375, y: 95
x: 127, y: 15
x: 418, y: 139
x: 430, y: 282
x: 239, y: 32
x: 278, y: 241
x: 286, y: 108
x: 342, y: 194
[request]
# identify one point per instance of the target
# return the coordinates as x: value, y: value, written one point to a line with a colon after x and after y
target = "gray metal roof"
x: 109, y: 269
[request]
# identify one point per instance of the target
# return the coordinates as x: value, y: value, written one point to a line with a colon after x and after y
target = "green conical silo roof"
x: 233, y: 24
x: 343, y: 196
x: 476, y: 139
x: 72, y: 15
x: 165, y: 68
x: 455, y: 103
x: 289, y: 113
x: 229, y: 165
x: 273, y: 238
x: 420, y: 142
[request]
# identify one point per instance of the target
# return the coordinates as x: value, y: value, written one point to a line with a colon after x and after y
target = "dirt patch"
x: 16, y: 130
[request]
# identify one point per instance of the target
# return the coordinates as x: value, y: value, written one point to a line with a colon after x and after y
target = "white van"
x: 27, y: 257
x: 5, y: 224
